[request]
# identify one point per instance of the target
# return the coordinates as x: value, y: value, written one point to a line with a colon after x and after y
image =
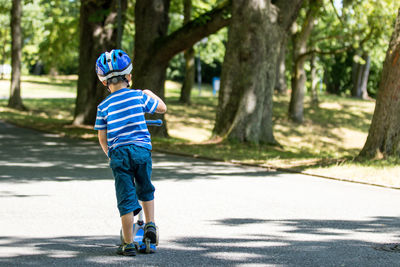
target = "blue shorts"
x: 132, y: 166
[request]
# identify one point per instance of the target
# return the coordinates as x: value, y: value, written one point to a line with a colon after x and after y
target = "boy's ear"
x: 104, y: 83
x: 129, y: 77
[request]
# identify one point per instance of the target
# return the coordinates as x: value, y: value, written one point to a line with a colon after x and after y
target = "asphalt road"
x: 58, y: 207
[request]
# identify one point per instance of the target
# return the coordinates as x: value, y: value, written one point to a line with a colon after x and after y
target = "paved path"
x: 57, y: 207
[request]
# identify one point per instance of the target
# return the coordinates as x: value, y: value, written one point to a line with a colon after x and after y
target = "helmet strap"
x: 117, y: 79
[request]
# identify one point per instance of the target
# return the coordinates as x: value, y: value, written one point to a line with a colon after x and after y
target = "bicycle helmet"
x: 113, y: 66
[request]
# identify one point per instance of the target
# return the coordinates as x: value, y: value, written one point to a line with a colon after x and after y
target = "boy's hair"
x: 117, y: 79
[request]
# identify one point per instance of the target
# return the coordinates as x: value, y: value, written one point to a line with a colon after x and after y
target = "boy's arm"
x: 161, y: 108
x: 102, y: 134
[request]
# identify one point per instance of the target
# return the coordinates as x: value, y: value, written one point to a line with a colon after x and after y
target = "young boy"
x: 124, y: 137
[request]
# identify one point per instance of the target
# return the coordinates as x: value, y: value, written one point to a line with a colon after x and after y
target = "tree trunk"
x: 189, y: 76
x: 280, y: 83
x: 15, y: 100
x: 189, y: 60
x: 384, y: 133
x: 151, y: 23
x: 249, y: 69
x: 296, y: 106
x: 98, y: 33
x: 314, y: 82
x: 360, y: 78
x: 154, y: 48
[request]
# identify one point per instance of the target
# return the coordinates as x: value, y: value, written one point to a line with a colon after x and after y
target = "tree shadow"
x: 299, y: 242
x: 32, y: 156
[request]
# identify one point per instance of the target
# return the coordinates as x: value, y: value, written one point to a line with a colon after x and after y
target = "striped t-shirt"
x: 122, y: 115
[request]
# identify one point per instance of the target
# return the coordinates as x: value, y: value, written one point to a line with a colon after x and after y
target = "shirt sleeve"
x: 101, y: 123
x: 149, y: 104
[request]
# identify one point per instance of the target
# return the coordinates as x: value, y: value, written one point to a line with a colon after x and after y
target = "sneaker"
x: 150, y: 232
x: 127, y: 249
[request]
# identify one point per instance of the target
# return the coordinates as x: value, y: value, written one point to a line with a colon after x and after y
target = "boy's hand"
x: 161, y: 108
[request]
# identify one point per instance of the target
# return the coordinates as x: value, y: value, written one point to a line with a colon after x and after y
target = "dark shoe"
x: 150, y: 232
x: 127, y: 249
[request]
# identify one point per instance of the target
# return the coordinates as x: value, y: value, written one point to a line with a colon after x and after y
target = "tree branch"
x: 336, y: 12
x: 338, y: 50
x: 192, y: 32
x: 288, y: 12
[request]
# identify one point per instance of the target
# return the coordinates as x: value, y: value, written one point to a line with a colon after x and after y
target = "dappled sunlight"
x: 188, y: 133
x: 189, y: 128
x: 330, y: 105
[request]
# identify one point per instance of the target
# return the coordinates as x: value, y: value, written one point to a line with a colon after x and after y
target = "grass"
x: 325, y: 144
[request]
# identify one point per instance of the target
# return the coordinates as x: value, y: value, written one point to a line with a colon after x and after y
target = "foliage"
x: 5, y: 35
x: 342, y: 32
x: 210, y: 50
x: 128, y: 36
x: 59, y: 46
x: 50, y: 35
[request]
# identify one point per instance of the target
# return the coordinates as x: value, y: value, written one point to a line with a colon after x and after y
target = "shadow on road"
x: 32, y: 156
x: 339, y: 245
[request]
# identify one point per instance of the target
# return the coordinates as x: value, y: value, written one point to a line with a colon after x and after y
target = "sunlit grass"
x: 37, y: 86
x: 325, y: 144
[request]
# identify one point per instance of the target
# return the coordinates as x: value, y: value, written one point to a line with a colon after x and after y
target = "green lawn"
x: 325, y: 144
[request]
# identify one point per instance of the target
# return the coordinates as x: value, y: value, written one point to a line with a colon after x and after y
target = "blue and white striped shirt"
x: 122, y: 115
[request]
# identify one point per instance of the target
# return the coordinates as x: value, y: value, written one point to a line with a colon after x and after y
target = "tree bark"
x: 151, y: 23
x: 249, y: 70
x: 296, y: 106
x: 98, y: 33
x: 384, y: 133
x: 189, y: 60
x: 314, y: 82
x: 154, y: 48
x: 15, y: 100
x: 280, y: 83
x: 360, y: 78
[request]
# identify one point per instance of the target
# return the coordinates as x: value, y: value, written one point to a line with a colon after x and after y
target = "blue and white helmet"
x: 112, y: 64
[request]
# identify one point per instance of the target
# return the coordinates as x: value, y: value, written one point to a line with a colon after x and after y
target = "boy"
x: 124, y: 137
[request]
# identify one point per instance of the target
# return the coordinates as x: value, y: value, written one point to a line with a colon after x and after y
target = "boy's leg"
x: 150, y: 229
x: 127, y: 227
x: 148, y: 208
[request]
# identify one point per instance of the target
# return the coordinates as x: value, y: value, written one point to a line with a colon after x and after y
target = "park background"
x: 299, y: 80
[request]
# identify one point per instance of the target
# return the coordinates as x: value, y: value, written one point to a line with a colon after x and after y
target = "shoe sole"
x: 127, y: 253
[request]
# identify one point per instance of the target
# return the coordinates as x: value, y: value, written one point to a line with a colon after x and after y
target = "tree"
x: 346, y: 36
x: 189, y: 59
x: 98, y: 33
x: 255, y: 35
x: 154, y: 47
x: 280, y: 83
x: 300, y: 41
x: 360, y: 77
x: 15, y: 100
x: 384, y: 133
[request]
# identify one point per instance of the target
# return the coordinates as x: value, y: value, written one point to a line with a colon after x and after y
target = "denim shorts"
x: 132, y: 166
